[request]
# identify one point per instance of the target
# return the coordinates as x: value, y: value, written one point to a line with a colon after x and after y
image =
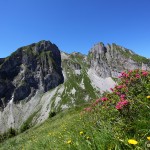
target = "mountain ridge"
x: 67, y: 79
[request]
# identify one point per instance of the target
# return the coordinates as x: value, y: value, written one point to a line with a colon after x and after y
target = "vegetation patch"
x: 28, y: 123
x: 129, y: 54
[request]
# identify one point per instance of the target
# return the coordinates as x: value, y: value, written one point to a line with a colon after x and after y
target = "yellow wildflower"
x: 148, y: 96
x: 148, y: 138
x: 69, y: 142
x: 87, y: 137
x: 81, y: 132
x: 132, y: 141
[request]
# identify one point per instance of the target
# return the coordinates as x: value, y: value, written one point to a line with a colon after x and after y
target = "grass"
x: 129, y: 54
x: 54, y: 130
x: 57, y: 132
x: 73, y: 83
x: 112, y: 122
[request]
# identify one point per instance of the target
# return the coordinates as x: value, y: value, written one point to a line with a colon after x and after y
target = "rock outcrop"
x: 110, y: 60
x: 30, y: 68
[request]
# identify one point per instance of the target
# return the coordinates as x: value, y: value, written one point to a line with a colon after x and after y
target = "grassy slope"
x: 73, y: 94
x: 55, y: 133
x: 97, y: 130
x: 52, y: 134
x: 129, y: 54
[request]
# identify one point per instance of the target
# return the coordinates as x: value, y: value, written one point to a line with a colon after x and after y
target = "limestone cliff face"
x: 30, y: 68
x: 110, y: 60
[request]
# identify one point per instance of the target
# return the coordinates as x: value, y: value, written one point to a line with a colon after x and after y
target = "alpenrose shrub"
x: 133, y: 83
x: 127, y: 108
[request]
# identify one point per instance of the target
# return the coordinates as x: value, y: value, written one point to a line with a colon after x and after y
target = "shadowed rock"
x: 30, y: 68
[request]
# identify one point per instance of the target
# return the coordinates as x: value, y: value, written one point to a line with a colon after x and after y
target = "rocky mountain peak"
x: 30, y: 68
x: 44, y: 46
x: 99, y: 48
x: 110, y: 60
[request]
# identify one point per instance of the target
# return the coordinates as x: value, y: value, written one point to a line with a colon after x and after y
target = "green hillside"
x: 117, y: 121
x: 77, y: 89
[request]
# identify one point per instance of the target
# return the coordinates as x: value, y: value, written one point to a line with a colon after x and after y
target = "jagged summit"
x: 110, y: 60
x: 100, y: 46
x: 38, y: 47
x: 32, y: 67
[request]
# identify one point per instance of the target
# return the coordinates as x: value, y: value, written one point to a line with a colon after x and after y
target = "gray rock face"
x: 110, y: 60
x: 37, y: 66
x: 2, y: 60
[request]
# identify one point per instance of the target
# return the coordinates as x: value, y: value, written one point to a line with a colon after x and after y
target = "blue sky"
x: 75, y: 25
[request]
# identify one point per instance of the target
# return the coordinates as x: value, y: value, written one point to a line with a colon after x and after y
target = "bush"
x: 10, y: 133
x: 52, y: 114
x: 124, y: 113
x: 25, y: 126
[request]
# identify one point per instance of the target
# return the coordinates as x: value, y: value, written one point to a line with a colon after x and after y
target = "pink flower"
x: 137, y: 76
x: 130, y: 71
x: 123, y: 73
x: 126, y: 75
x: 88, y: 109
x: 125, y: 102
x: 121, y: 104
x: 112, y: 89
x: 97, y: 101
x: 120, y: 76
x: 122, y: 96
x: 119, y: 86
x: 104, y: 98
x: 144, y: 73
x: 118, y: 107
x: 127, y: 81
x: 118, y: 93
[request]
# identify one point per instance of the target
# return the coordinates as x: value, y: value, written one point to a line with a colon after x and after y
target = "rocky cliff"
x: 110, y: 60
x: 38, y: 79
x: 30, y: 68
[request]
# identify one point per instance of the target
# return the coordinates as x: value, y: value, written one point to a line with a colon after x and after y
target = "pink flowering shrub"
x: 126, y: 108
x: 104, y: 99
x: 121, y: 104
x: 131, y: 84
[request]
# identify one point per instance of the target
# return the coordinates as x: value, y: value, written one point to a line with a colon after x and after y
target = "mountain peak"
x: 29, y: 69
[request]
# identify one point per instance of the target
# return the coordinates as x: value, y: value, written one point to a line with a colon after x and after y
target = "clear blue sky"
x: 75, y: 25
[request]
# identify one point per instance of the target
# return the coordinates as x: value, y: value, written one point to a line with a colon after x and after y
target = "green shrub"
x: 10, y: 133
x: 52, y: 114
x: 124, y: 113
x: 25, y: 126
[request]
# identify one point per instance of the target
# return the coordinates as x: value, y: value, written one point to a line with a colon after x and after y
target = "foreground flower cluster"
x: 131, y: 99
x: 118, y: 120
x: 121, y: 91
